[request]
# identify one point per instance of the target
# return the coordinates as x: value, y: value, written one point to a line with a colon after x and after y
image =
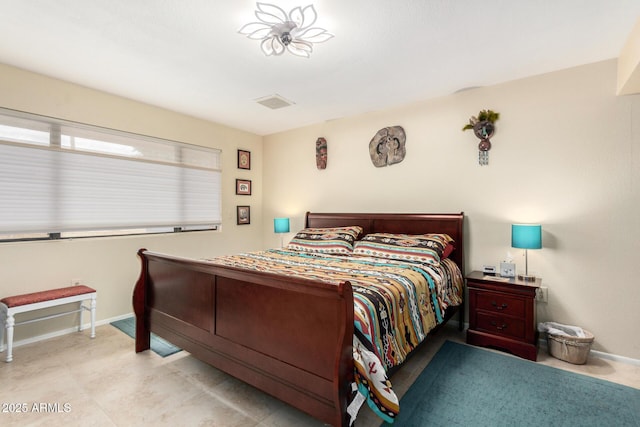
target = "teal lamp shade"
x: 526, y: 236
x: 281, y: 225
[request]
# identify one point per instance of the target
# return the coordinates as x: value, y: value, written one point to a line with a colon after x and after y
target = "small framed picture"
x: 244, y: 215
x: 244, y: 159
x: 243, y: 187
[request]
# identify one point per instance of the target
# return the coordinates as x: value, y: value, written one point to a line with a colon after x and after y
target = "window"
x: 63, y: 179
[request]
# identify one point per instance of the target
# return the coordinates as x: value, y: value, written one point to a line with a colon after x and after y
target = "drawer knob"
x: 499, y: 307
x: 501, y: 327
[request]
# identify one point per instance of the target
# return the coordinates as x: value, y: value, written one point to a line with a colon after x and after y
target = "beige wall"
x: 566, y: 154
x: 110, y: 265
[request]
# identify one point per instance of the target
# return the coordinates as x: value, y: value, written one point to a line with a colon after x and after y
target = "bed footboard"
x: 291, y: 338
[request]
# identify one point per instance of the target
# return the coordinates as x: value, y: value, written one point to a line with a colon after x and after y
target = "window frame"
x: 184, y: 159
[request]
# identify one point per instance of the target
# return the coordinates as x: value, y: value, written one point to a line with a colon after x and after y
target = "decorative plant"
x: 483, y: 127
x: 483, y: 116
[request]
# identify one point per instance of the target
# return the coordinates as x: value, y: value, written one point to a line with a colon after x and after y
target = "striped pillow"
x: 337, y: 240
x: 423, y: 248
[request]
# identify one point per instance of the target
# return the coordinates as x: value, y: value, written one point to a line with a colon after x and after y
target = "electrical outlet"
x: 542, y: 294
x: 76, y: 282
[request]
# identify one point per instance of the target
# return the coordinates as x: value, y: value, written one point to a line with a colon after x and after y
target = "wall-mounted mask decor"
x: 321, y: 153
x: 387, y: 146
x: 483, y: 127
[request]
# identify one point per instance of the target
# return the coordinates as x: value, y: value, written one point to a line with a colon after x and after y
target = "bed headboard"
x: 407, y: 223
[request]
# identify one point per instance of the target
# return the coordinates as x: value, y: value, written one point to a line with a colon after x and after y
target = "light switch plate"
x: 507, y: 269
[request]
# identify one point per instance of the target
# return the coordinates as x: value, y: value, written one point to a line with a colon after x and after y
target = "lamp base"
x: 527, y: 277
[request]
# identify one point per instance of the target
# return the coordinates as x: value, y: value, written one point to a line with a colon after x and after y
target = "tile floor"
x: 72, y: 381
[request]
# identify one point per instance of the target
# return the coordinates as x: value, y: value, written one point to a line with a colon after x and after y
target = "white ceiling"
x: 186, y: 55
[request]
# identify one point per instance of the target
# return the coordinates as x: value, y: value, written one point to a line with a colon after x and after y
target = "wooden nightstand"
x: 502, y: 314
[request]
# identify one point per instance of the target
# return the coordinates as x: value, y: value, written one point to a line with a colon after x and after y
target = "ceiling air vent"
x: 274, y: 102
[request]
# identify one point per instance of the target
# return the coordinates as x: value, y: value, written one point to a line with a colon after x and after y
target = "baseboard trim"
x: 85, y: 326
x: 615, y: 357
x: 593, y: 353
x: 602, y: 355
x: 542, y: 342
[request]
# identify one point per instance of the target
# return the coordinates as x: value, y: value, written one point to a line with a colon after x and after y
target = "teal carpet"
x: 158, y: 345
x: 469, y: 386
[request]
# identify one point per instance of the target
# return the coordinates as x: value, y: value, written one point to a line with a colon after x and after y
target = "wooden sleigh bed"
x: 256, y: 326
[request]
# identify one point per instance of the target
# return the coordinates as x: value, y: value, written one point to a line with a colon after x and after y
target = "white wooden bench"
x: 10, y: 306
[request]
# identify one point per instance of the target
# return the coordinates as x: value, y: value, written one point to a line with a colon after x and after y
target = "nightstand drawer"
x: 500, y: 303
x: 502, y: 325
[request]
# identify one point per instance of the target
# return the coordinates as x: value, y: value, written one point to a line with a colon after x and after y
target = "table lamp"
x: 281, y: 225
x: 526, y: 236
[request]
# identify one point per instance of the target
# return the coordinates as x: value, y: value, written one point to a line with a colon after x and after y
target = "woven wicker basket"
x: 570, y: 349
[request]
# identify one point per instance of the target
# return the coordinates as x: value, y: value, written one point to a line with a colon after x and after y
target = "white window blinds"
x: 58, y: 177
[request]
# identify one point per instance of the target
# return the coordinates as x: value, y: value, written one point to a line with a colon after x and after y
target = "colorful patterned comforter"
x: 396, y: 304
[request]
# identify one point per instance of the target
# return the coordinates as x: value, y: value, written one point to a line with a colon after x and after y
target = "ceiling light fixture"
x: 280, y: 31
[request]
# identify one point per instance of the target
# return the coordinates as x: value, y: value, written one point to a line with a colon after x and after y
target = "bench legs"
x: 3, y: 316
x: 93, y: 317
x: 92, y: 309
x: 8, y: 323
